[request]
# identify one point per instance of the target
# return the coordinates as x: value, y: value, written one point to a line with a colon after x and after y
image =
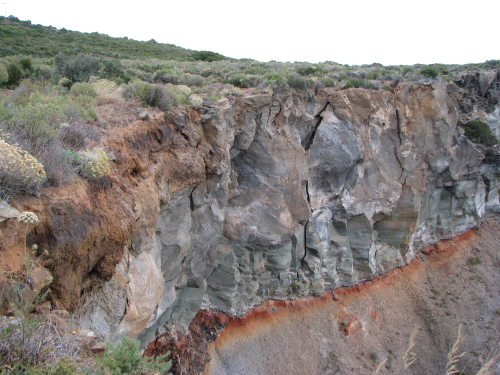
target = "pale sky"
x: 389, y: 32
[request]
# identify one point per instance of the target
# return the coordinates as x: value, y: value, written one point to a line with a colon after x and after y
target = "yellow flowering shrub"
x: 196, y: 101
x: 231, y: 90
x: 94, y: 164
x: 183, y: 89
x: 20, y: 172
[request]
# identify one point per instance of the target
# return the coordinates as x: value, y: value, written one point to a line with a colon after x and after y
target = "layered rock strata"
x: 266, y: 196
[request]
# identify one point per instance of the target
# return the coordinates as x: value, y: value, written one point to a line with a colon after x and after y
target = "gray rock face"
x: 309, y: 192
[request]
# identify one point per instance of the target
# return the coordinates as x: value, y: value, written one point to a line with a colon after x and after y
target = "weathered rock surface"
x: 267, y: 197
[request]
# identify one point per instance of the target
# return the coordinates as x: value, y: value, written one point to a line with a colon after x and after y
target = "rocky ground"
x: 357, y: 329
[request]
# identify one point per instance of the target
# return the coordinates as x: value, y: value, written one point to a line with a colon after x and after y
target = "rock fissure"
x: 317, y: 122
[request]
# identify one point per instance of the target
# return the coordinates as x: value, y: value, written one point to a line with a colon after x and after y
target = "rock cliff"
x: 265, y: 196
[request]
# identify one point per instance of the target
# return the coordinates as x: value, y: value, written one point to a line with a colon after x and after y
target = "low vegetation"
x: 479, y: 131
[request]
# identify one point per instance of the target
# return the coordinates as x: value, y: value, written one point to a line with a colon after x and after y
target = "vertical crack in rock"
x: 401, y: 178
x: 317, y: 119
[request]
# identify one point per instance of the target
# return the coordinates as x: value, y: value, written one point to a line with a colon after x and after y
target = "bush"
x: 231, y: 90
x: 65, y: 366
x: 79, y: 68
x: 93, y: 164
x: 125, y: 358
x: 80, y: 88
x: 184, y: 90
x: 167, y: 76
x: 238, y: 80
x: 25, y: 63
x: 76, y: 68
x: 479, y: 131
x: 163, y: 97
x: 65, y: 82
x: 196, y: 101
x: 298, y: 82
x: 358, y: 83
x: 15, y: 74
x: 307, y: 70
x: 42, y: 72
x: 279, y: 79
x: 192, y: 80
x: 38, y: 122
x: 207, y: 56
x: 429, y: 72
x: 20, y: 172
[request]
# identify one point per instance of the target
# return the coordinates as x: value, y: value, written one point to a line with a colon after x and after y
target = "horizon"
x: 353, y: 37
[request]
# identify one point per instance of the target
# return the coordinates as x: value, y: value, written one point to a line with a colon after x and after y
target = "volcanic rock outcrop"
x: 268, y: 196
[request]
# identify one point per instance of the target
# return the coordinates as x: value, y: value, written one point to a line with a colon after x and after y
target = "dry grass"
x: 453, y: 356
x: 379, y: 367
x: 410, y: 356
x: 118, y: 114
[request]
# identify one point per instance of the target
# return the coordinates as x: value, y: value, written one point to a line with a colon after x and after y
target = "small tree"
x: 479, y: 131
x: 15, y: 74
x: 125, y: 358
x: 429, y: 72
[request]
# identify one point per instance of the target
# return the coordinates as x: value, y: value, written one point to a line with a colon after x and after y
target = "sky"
x: 348, y: 32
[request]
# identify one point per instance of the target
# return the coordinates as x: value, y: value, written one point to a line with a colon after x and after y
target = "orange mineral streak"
x: 338, y: 300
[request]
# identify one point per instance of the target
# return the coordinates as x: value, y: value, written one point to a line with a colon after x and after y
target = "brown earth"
x: 85, y: 225
x: 354, y: 330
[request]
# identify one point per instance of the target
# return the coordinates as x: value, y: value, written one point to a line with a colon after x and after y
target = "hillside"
x: 24, y: 38
x: 203, y: 71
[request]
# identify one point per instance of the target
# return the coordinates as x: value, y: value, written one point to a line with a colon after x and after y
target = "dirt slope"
x: 357, y: 328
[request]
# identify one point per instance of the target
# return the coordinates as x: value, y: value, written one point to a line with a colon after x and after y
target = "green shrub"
x: 429, y: 72
x: 110, y: 68
x: 358, y: 83
x: 79, y: 68
x: 39, y: 117
x: 85, y: 107
x: 42, y: 72
x: 207, y: 56
x: 15, y: 74
x: 475, y: 261
x: 479, y: 131
x: 278, y: 78
x: 327, y: 81
x: 65, y: 82
x: 38, y: 122
x: 238, y: 80
x: 307, y: 70
x: 76, y: 68
x: 298, y: 82
x: 25, y: 63
x: 192, y: 80
x: 20, y: 172
x: 167, y: 76
x: 65, y: 366
x: 125, y: 358
x: 163, y: 97
x: 81, y: 88
x: 231, y: 90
